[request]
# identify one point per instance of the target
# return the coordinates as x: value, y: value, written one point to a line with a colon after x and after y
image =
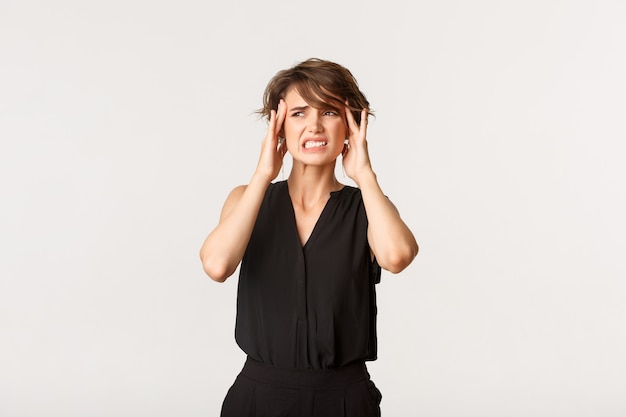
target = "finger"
x: 364, y: 120
x: 274, y: 126
x: 272, y: 123
x: 281, y: 115
x: 351, y: 122
x: 276, y: 122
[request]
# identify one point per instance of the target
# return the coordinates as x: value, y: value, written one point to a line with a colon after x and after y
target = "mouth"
x: 313, y: 144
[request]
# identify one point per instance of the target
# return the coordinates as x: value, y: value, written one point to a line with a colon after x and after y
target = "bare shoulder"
x: 232, y: 200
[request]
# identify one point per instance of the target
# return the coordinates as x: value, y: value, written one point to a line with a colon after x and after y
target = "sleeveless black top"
x: 311, y: 306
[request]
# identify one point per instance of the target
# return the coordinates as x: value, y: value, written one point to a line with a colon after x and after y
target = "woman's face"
x: 314, y: 136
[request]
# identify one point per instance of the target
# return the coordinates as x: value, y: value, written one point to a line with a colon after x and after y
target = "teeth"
x: 311, y: 144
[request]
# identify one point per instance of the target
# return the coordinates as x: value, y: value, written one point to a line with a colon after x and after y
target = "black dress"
x: 310, y: 307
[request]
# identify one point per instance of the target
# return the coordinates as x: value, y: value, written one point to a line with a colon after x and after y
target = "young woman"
x: 311, y: 251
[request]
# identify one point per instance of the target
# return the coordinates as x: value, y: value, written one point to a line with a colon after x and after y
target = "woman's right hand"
x: 273, y: 152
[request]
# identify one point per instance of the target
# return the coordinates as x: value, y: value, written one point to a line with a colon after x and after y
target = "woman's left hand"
x: 356, y: 160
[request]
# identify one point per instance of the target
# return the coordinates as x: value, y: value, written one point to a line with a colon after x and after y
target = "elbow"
x: 395, y: 266
x: 398, y: 260
x: 217, y: 271
x: 217, y: 274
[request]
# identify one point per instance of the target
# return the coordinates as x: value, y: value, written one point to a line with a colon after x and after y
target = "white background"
x: 500, y: 135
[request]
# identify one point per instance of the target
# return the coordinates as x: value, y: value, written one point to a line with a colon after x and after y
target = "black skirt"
x: 265, y: 391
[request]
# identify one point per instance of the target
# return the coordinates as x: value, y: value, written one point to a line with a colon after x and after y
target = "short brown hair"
x: 321, y: 83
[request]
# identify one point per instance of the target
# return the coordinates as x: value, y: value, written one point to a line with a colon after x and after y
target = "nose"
x: 315, y: 123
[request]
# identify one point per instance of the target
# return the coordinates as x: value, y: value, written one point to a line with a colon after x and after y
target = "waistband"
x: 326, y: 378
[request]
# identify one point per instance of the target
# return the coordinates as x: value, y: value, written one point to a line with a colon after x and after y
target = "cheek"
x: 341, y: 130
x: 290, y: 127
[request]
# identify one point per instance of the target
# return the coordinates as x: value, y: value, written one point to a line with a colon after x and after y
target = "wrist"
x: 365, y: 177
x: 260, y: 178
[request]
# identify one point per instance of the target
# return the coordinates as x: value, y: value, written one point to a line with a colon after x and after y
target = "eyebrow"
x: 301, y: 108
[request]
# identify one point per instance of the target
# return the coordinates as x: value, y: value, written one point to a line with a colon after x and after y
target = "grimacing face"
x: 314, y: 136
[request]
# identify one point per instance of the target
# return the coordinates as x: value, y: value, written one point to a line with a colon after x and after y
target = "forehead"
x: 293, y: 98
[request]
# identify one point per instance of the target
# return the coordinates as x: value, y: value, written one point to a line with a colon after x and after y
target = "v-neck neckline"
x: 331, y: 197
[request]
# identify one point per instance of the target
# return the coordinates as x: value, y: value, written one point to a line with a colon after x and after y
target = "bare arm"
x: 225, y: 246
x: 390, y: 239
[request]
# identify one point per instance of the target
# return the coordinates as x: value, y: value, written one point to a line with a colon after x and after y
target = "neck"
x: 308, y: 185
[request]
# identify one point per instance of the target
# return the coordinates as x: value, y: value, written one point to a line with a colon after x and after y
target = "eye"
x: 331, y: 113
x: 297, y: 114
